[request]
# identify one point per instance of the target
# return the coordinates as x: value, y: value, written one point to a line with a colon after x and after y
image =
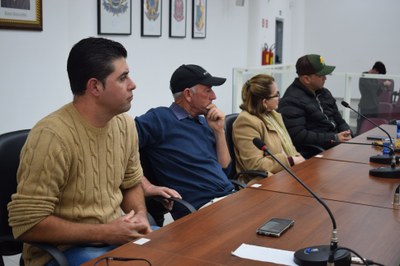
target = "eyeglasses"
x: 274, y: 96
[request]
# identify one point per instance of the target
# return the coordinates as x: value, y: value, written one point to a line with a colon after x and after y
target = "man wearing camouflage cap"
x: 309, y: 110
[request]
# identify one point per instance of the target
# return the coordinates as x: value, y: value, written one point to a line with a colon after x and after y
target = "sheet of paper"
x: 141, y: 241
x: 264, y: 254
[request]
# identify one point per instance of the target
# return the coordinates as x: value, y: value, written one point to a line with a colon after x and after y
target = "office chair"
x: 154, y: 205
x: 385, y: 110
x: 366, y: 125
x: 387, y: 94
x: 10, y: 147
x: 234, y: 175
x: 395, y: 97
x: 310, y: 150
x: 396, y: 108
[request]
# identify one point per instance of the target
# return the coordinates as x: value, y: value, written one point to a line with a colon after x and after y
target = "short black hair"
x: 92, y: 58
x: 380, y: 67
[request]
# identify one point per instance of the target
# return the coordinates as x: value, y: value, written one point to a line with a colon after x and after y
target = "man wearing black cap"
x: 370, y: 89
x: 185, y: 143
x: 309, y: 110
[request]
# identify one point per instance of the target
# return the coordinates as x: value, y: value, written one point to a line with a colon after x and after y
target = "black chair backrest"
x: 154, y: 207
x: 10, y: 147
x: 237, y: 177
x: 229, y: 120
x: 154, y: 204
x: 367, y: 125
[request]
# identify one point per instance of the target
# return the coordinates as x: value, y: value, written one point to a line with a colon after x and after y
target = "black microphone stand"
x: 385, y: 172
x: 383, y: 158
x: 315, y: 255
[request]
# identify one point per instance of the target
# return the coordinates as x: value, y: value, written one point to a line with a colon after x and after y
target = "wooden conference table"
x: 358, y: 153
x: 362, y: 206
x: 336, y: 180
x: 208, y: 236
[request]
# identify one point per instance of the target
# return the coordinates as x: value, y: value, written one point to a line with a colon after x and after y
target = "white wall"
x: 353, y: 34
x: 350, y: 34
x: 32, y: 68
x: 34, y: 80
x: 269, y: 10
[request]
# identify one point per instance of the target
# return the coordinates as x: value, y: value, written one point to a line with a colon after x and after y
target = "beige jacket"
x: 248, y: 156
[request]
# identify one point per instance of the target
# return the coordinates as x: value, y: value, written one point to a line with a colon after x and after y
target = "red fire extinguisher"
x: 264, y: 55
x: 267, y: 56
x: 271, y: 54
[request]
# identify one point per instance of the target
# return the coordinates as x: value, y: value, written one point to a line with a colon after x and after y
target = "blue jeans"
x: 80, y: 254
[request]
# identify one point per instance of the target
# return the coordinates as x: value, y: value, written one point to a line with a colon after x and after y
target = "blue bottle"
x: 386, y: 144
x: 398, y: 129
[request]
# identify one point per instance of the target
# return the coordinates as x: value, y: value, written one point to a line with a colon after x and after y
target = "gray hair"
x: 177, y: 95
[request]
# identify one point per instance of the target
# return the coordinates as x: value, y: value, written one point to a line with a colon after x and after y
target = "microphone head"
x: 345, y: 104
x: 259, y: 143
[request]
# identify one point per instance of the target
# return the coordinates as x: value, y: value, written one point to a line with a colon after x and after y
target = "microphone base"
x: 385, y: 172
x: 383, y: 159
x: 318, y: 256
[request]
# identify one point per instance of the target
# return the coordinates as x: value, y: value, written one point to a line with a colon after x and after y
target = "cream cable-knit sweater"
x: 75, y: 171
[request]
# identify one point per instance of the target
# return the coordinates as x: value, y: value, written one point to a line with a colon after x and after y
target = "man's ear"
x: 305, y: 79
x: 93, y: 86
x: 187, y: 94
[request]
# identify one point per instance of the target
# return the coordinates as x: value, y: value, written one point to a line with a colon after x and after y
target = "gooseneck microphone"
x: 315, y: 255
x: 345, y: 104
x: 385, y: 172
x: 383, y: 159
x: 397, y: 158
x: 396, y: 198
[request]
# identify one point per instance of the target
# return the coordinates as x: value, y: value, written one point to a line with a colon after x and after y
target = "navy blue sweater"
x: 182, y: 155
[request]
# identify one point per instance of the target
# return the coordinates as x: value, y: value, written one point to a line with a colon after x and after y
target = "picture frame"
x: 177, y: 18
x: 21, y: 15
x: 114, y: 17
x: 199, y: 19
x: 151, y: 15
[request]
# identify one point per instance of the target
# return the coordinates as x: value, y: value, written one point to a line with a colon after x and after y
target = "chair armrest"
x: 253, y: 173
x: 151, y: 219
x: 238, y: 185
x: 310, y: 150
x: 51, y: 249
x: 186, y: 204
x: 313, y: 147
x: 156, y: 209
x: 57, y: 255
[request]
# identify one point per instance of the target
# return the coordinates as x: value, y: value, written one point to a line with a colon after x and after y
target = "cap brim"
x: 213, y: 81
x: 326, y: 70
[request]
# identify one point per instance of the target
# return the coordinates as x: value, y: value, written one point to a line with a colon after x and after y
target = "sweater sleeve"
x: 134, y: 172
x: 40, y: 176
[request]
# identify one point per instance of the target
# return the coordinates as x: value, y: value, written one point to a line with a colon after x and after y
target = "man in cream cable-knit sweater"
x: 80, y: 165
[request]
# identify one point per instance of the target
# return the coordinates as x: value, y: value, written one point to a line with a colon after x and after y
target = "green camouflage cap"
x: 313, y: 64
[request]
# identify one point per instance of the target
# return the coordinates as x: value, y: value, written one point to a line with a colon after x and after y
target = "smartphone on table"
x: 275, y: 227
x: 376, y: 137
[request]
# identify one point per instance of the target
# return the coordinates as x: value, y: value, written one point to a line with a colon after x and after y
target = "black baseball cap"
x: 187, y: 76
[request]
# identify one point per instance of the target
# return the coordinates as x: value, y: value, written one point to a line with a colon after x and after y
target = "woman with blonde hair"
x: 258, y: 119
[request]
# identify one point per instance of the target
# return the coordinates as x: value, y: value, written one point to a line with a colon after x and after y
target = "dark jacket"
x: 311, y: 118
